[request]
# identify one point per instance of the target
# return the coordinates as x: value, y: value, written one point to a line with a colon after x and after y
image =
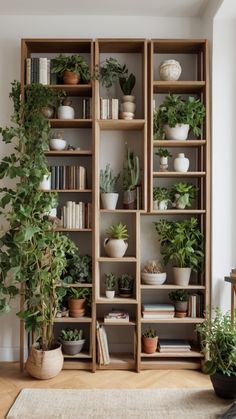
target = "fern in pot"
x: 115, y: 244
x: 72, y: 341
x: 108, y: 183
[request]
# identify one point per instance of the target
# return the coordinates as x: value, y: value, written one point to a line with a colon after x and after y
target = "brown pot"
x: 77, y: 307
x: 69, y: 77
x: 44, y: 364
x: 149, y: 344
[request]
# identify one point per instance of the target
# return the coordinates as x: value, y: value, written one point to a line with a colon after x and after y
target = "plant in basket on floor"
x: 180, y: 299
x: 149, y: 341
x: 131, y: 176
x: 71, y: 68
x: 72, y: 342
x: 110, y: 283
x: 153, y: 273
x: 108, y: 183
x: 125, y: 285
x: 218, y: 343
x: 115, y: 244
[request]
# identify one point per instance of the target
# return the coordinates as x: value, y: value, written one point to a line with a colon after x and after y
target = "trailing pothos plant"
x: 32, y: 253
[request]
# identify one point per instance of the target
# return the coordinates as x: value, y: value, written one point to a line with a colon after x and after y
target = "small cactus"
x: 107, y: 180
x: 131, y: 171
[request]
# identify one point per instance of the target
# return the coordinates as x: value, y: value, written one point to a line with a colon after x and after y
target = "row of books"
x: 102, y: 345
x: 109, y: 108
x: 38, y: 70
x: 68, y: 177
x: 116, y: 316
x: 86, y: 108
x: 173, y: 345
x: 158, y: 311
x: 75, y: 215
x: 196, y: 305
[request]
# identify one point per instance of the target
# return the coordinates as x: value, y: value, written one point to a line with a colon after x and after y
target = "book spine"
x: 53, y: 177
x: 28, y: 71
x: 48, y: 70
x: 43, y: 70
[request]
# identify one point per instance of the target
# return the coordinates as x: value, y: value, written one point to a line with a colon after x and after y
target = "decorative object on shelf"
x: 128, y: 105
x: 161, y: 198
x: 182, y: 244
x: 109, y: 108
x: 45, y: 184
x: 71, y: 68
x: 125, y: 285
x: 56, y: 141
x: 78, y: 269
x: 149, y: 341
x: 158, y: 311
x: 153, y: 273
x: 66, y: 111
x: 170, y: 70
x: 116, y: 245
x: 131, y: 175
x: 77, y: 301
x: 180, y: 299
x: 110, y: 72
x: 110, y: 283
x: 182, y: 195
x: 116, y: 316
x: 48, y: 111
x: 218, y: 342
x: 108, y: 184
x: 181, y: 163
x: 175, y: 116
x: 163, y: 153
x: 71, y: 340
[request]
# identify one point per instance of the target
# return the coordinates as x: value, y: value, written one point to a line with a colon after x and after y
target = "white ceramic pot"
x: 65, y: 112
x: 163, y: 205
x: 181, y: 163
x: 57, y: 144
x: 128, y: 107
x: 110, y: 294
x: 170, y: 70
x: 109, y: 200
x: 153, y: 278
x: 128, y: 98
x: 178, y: 133
x: 181, y: 276
x: 45, y: 185
x: 115, y: 248
x: 164, y: 161
x: 155, y: 205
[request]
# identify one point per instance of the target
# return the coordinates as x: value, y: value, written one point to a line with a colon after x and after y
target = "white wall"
x: 13, y: 28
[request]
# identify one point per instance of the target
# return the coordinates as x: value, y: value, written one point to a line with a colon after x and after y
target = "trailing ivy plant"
x: 32, y: 253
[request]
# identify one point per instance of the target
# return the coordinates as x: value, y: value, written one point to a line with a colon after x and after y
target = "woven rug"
x: 117, y: 404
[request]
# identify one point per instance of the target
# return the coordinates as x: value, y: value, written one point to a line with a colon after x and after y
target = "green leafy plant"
x: 78, y: 269
x: 181, y: 243
x: 178, y: 295
x: 79, y: 293
x: 110, y: 72
x: 71, y: 335
x: 218, y: 342
x: 127, y: 83
x: 32, y: 254
x: 183, y: 194
x: 149, y: 333
x: 163, y: 152
x: 108, y: 181
x: 37, y: 97
x: 110, y: 281
x: 118, y: 231
x: 131, y: 172
x: 161, y: 194
x: 175, y: 110
x: 73, y: 63
x: 126, y: 281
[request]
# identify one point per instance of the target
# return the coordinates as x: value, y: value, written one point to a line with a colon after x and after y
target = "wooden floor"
x: 12, y: 381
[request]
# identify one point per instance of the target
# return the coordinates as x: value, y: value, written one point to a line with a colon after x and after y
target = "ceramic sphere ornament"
x: 170, y: 70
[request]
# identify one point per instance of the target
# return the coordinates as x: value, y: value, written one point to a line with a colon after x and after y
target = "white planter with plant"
x: 131, y: 175
x: 181, y: 163
x: 57, y: 142
x: 175, y: 116
x: 45, y: 184
x: 183, y: 194
x: 161, y: 198
x: 182, y: 245
x: 115, y: 244
x: 153, y: 273
x: 71, y: 340
x: 110, y: 283
x: 180, y: 299
x: 163, y: 153
x: 108, y: 184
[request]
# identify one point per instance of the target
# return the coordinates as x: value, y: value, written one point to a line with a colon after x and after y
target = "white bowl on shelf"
x: 57, y: 144
x: 153, y: 279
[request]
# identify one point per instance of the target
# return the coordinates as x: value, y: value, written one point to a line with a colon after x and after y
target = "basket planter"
x: 44, y: 364
x: 72, y: 347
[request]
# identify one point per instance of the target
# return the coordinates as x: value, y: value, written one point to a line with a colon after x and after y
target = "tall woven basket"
x: 44, y: 364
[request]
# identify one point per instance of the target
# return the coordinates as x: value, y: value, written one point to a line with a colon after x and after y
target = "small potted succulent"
x: 71, y: 340
x: 180, y: 300
x: 128, y: 105
x: 125, y: 285
x: 131, y: 175
x: 163, y: 153
x: 110, y: 283
x: 153, y: 274
x: 115, y: 244
x: 78, y: 298
x: 149, y: 341
x: 161, y: 198
x: 108, y: 183
x: 71, y: 68
x: 183, y: 194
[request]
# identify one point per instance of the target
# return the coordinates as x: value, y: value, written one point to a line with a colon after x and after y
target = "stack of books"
x: 68, y: 177
x: 174, y: 345
x: 38, y: 70
x: 116, y: 315
x: 158, y: 311
x: 75, y: 215
x: 103, y: 350
x: 109, y: 108
x: 195, y: 305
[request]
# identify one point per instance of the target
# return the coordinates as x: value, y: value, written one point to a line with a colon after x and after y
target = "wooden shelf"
x: 76, y: 285
x: 170, y: 364
x: 123, y: 259
x: 70, y: 153
x: 79, y: 356
x: 68, y: 190
x: 178, y: 174
x: 190, y: 354
x: 116, y: 300
x: 184, y: 320
x: 121, y: 124
x: 117, y: 323
x: 120, y: 211
x: 74, y: 90
x: 78, y: 230
x: 178, y: 212
x: 73, y: 320
x: 77, y: 364
x: 178, y: 86
x: 187, y: 143
x: 71, y: 123
x: 172, y: 287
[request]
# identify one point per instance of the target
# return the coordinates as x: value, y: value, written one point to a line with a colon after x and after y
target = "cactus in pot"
x: 108, y: 182
x: 131, y: 176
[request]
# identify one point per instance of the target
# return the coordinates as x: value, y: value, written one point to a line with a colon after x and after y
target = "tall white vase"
x: 181, y: 163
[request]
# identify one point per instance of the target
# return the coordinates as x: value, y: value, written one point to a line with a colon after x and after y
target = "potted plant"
x: 71, y: 68
x: 175, y: 116
x: 32, y: 253
x: 115, y: 244
x: 128, y: 105
x: 163, y: 153
x: 131, y: 175
x: 77, y: 299
x: 72, y: 342
x: 110, y: 283
x: 149, y: 341
x: 153, y: 274
x: 78, y: 269
x: 218, y: 343
x: 161, y: 198
x: 180, y: 299
x: 108, y: 183
x: 44, y: 100
x: 110, y: 72
x: 182, y: 244
x: 183, y: 194
x: 125, y: 285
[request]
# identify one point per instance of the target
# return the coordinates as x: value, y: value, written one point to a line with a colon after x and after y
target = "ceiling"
x: 165, y: 8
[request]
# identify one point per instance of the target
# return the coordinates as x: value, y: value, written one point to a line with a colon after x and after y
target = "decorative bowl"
x: 153, y: 279
x: 57, y: 144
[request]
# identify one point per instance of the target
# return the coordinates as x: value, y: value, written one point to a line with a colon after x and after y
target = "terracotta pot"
x: 69, y: 77
x: 44, y: 364
x: 149, y: 344
x: 76, y: 307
